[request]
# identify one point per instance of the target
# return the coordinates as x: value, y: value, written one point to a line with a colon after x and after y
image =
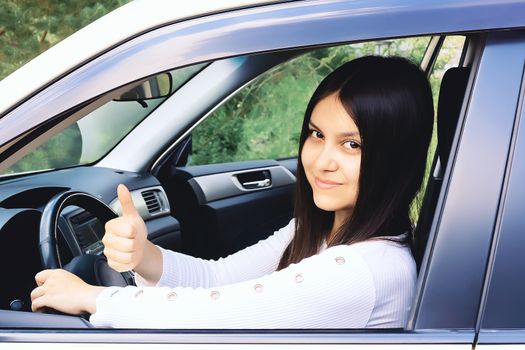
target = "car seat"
x: 451, y: 95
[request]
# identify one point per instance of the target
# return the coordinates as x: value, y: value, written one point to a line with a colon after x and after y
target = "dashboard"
x: 22, y: 200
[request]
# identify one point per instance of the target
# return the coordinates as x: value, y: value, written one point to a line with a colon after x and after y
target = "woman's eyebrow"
x: 349, y: 134
x: 342, y: 134
x: 313, y: 125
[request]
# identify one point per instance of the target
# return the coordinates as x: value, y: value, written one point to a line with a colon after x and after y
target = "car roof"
x: 108, y: 31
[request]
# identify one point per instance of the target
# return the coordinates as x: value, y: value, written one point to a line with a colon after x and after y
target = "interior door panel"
x: 223, y: 208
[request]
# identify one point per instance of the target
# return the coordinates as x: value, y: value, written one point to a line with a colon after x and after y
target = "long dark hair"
x: 390, y: 101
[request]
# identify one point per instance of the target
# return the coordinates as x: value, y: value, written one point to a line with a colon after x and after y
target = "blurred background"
x: 29, y: 27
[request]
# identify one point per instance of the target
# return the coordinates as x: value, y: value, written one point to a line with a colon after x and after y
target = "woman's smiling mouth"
x: 324, y: 184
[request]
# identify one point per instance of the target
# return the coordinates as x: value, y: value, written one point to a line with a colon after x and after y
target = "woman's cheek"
x: 308, y: 156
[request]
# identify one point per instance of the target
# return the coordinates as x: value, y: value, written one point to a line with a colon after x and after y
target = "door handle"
x: 256, y: 184
x: 253, y: 180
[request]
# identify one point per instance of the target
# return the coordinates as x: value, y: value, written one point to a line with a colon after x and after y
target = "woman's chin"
x: 329, y: 203
x: 326, y: 204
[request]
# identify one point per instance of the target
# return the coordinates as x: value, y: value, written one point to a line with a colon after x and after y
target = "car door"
x: 225, y: 208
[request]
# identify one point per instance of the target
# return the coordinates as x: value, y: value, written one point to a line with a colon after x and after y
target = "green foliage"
x: 29, y: 27
x: 262, y: 121
x: 60, y: 151
x: 219, y: 140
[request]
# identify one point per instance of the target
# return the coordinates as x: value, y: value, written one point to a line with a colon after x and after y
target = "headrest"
x: 451, y: 94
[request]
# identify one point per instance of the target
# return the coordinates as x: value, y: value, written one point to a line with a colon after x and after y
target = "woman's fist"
x: 125, y: 239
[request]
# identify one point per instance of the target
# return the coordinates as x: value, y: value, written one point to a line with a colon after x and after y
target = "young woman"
x: 344, y: 261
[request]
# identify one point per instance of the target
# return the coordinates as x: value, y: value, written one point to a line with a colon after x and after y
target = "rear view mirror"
x: 155, y: 87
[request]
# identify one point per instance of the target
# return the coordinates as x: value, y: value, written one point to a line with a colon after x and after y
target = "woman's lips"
x: 325, y: 184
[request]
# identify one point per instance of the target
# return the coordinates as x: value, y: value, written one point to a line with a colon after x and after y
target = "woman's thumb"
x: 124, y: 197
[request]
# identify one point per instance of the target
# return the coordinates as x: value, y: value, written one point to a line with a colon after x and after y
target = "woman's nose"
x: 326, y: 160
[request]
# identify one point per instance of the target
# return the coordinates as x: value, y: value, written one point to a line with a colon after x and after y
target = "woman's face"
x: 331, y: 157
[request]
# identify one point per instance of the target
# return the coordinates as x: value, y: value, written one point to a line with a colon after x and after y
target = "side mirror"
x: 155, y: 87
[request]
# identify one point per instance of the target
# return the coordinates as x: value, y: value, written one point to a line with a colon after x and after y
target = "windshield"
x: 93, y: 135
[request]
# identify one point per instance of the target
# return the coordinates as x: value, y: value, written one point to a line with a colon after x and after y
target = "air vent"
x: 152, y: 200
x: 149, y: 201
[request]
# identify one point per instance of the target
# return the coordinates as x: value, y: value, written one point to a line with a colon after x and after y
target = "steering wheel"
x: 93, y: 269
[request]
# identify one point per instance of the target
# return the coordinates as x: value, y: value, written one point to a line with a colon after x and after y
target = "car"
x: 160, y: 104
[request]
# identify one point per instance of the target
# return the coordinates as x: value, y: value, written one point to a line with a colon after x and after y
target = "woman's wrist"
x: 150, y: 268
x: 90, y: 299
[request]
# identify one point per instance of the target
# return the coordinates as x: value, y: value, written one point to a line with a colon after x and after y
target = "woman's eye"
x: 351, y: 145
x: 316, y: 134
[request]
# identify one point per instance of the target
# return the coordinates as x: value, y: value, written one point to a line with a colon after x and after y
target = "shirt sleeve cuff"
x: 97, y: 319
x: 168, y: 278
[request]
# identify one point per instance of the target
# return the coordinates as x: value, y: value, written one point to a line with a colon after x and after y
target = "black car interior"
x: 218, y: 227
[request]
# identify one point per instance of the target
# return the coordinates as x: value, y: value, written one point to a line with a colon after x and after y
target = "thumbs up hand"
x: 125, y: 239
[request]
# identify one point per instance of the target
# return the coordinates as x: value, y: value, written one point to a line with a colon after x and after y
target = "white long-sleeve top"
x: 364, y: 285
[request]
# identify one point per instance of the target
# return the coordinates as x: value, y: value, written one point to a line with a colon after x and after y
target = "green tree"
x: 29, y: 27
x: 60, y: 151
